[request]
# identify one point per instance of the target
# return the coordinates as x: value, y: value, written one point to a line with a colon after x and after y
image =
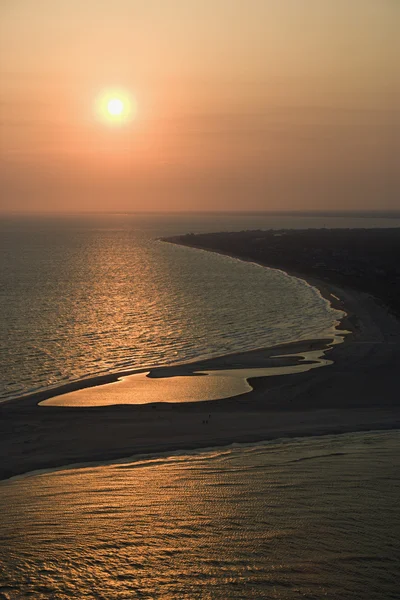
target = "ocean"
x: 303, y: 518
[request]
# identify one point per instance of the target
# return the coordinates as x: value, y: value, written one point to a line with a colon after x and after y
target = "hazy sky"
x: 241, y: 104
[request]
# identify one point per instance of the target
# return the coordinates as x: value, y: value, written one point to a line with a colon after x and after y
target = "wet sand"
x: 358, y: 392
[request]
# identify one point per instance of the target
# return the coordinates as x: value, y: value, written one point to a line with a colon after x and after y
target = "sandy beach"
x: 359, y: 391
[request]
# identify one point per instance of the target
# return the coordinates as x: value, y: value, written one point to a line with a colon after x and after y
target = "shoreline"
x: 157, y: 454
x: 342, y: 397
x: 348, y: 322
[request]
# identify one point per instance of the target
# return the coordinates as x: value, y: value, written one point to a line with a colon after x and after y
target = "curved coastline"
x: 302, y: 404
x: 326, y: 290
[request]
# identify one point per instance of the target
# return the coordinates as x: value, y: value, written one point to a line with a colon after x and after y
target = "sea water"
x: 303, y: 518
x: 81, y: 296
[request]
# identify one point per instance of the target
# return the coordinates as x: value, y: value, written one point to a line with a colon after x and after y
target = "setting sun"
x: 115, y: 107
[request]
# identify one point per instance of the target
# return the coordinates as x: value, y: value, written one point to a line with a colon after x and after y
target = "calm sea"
x: 87, y: 295
x: 302, y: 518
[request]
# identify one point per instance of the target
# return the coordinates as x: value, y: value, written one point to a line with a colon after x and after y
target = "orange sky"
x: 263, y: 104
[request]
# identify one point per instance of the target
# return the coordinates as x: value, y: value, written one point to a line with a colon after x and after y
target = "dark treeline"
x: 364, y: 259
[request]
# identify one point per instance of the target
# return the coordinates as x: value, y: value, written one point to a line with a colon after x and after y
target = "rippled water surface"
x: 311, y: 518
x: 82, y: 296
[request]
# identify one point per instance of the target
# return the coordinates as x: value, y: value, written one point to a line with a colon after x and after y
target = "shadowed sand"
x: 358, y: 391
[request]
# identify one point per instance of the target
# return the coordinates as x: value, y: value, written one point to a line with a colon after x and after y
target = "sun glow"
x: 115, y: 107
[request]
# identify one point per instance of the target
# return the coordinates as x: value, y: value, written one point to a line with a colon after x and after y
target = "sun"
x: 115, y: 107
